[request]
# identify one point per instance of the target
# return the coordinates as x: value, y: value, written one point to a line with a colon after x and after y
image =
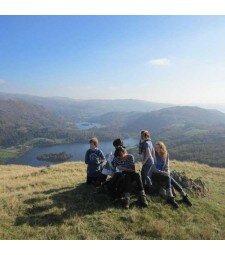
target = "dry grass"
x: 55, y: 203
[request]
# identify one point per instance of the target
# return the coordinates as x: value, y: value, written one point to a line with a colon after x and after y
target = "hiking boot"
x: 143, y: 200
x: 173, y: 191
x: 127, y: 201
x: 186, y: 200
x: 171, y: 201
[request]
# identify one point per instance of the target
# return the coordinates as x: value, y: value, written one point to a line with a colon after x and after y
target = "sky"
x: 167, y: 59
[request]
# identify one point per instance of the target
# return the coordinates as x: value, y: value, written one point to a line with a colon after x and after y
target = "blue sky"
x: 171, y: 59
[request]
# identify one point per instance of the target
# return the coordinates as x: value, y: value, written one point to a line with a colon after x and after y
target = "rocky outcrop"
x: 196, y: 186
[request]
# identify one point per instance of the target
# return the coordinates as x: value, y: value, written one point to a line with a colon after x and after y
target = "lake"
x: 88, y: 125
x: 77, y: 150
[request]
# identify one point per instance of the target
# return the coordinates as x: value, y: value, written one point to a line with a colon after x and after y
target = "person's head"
x: 93, y: 143
x: 118, y: 142
x: 142, y: 133
x: 145, y: 134
x: 120, y: 152
x: 160, y: 149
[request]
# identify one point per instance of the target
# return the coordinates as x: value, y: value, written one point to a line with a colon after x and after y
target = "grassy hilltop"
x: 54, y: 203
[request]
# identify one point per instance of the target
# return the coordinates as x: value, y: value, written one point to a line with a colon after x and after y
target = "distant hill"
x: 18, y: 112
x: 191, y: 133
x: 55, y: 203
x: 19, y: 119
x: 81, y: 110
x: 26, y: 123
x: 177, y: 116
x: 116, y: 119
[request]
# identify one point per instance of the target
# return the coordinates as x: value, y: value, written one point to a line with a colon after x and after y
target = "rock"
x: 196, y: 186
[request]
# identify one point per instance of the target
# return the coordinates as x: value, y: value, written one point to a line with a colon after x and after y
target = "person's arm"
x: 130, y: 165
x: 125, y: 169
x: 140, y: 147
x: 146, y: 155
x: 166, y: 167
x: 87, y: 159
x: 102, y: 157
x: 153, y: 153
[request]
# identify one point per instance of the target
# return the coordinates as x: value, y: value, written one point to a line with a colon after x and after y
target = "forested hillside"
x: 191, y: 133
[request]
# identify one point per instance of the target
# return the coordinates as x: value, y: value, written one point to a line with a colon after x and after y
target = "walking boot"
x: 171, y: 201
x: 127, y: 201
x: 186, y: 200
x: 143, y: 199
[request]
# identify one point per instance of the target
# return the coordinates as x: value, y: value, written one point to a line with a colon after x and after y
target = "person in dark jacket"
x: 94, y: 158
x: 114, y: 183
x: 125, y: 163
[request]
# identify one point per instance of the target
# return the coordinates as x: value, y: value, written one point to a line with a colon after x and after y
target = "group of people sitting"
x: 120, y: 177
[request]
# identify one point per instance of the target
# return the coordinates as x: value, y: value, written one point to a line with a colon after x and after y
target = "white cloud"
x: 160, y: 62
x: 2, y: 82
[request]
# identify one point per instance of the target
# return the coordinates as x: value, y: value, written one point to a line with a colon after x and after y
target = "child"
x: 163, y: 170
x: 148, y: 153
x: 113, y: 184
x: 94, y: 159
x: 125, y: 162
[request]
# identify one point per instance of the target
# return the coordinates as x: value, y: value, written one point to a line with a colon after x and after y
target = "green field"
x: 43, y: 142
x: 55, y: 203
x: 8, y: 153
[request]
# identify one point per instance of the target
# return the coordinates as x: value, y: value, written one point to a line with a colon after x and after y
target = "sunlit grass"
x: 55, y: 203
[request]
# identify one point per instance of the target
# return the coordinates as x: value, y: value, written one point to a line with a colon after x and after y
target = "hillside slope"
x: 178, y: 116
x: 80, y: 110
x: 21, y: 120
x: 54, y: 203
x: 190, y: 133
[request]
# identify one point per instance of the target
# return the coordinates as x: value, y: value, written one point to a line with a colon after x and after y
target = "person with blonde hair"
x: 161, y: 173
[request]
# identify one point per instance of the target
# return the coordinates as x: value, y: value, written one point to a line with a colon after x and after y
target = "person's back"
x: 148, y: 154
x: 148, y: 151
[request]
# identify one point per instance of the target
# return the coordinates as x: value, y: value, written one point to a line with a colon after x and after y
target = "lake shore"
x: 77, y: 150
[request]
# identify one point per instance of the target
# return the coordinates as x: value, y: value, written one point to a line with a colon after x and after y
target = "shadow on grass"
x: 80, y: 200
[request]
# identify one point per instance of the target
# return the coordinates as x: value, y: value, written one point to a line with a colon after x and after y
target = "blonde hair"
x: 163, y: 148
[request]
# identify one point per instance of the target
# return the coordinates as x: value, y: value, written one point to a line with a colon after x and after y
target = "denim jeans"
x: 144, y: 172
x: 168, y: 182
x: 162, y: 179
x: 177, y: 186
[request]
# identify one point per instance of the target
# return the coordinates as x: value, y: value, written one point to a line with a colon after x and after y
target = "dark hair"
x: 118, y: 142
x: 146, y: 134
x: 94, y: 140
x: 119, y: 150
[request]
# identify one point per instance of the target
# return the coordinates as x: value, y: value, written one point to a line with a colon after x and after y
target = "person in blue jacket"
x: 94, y: 158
